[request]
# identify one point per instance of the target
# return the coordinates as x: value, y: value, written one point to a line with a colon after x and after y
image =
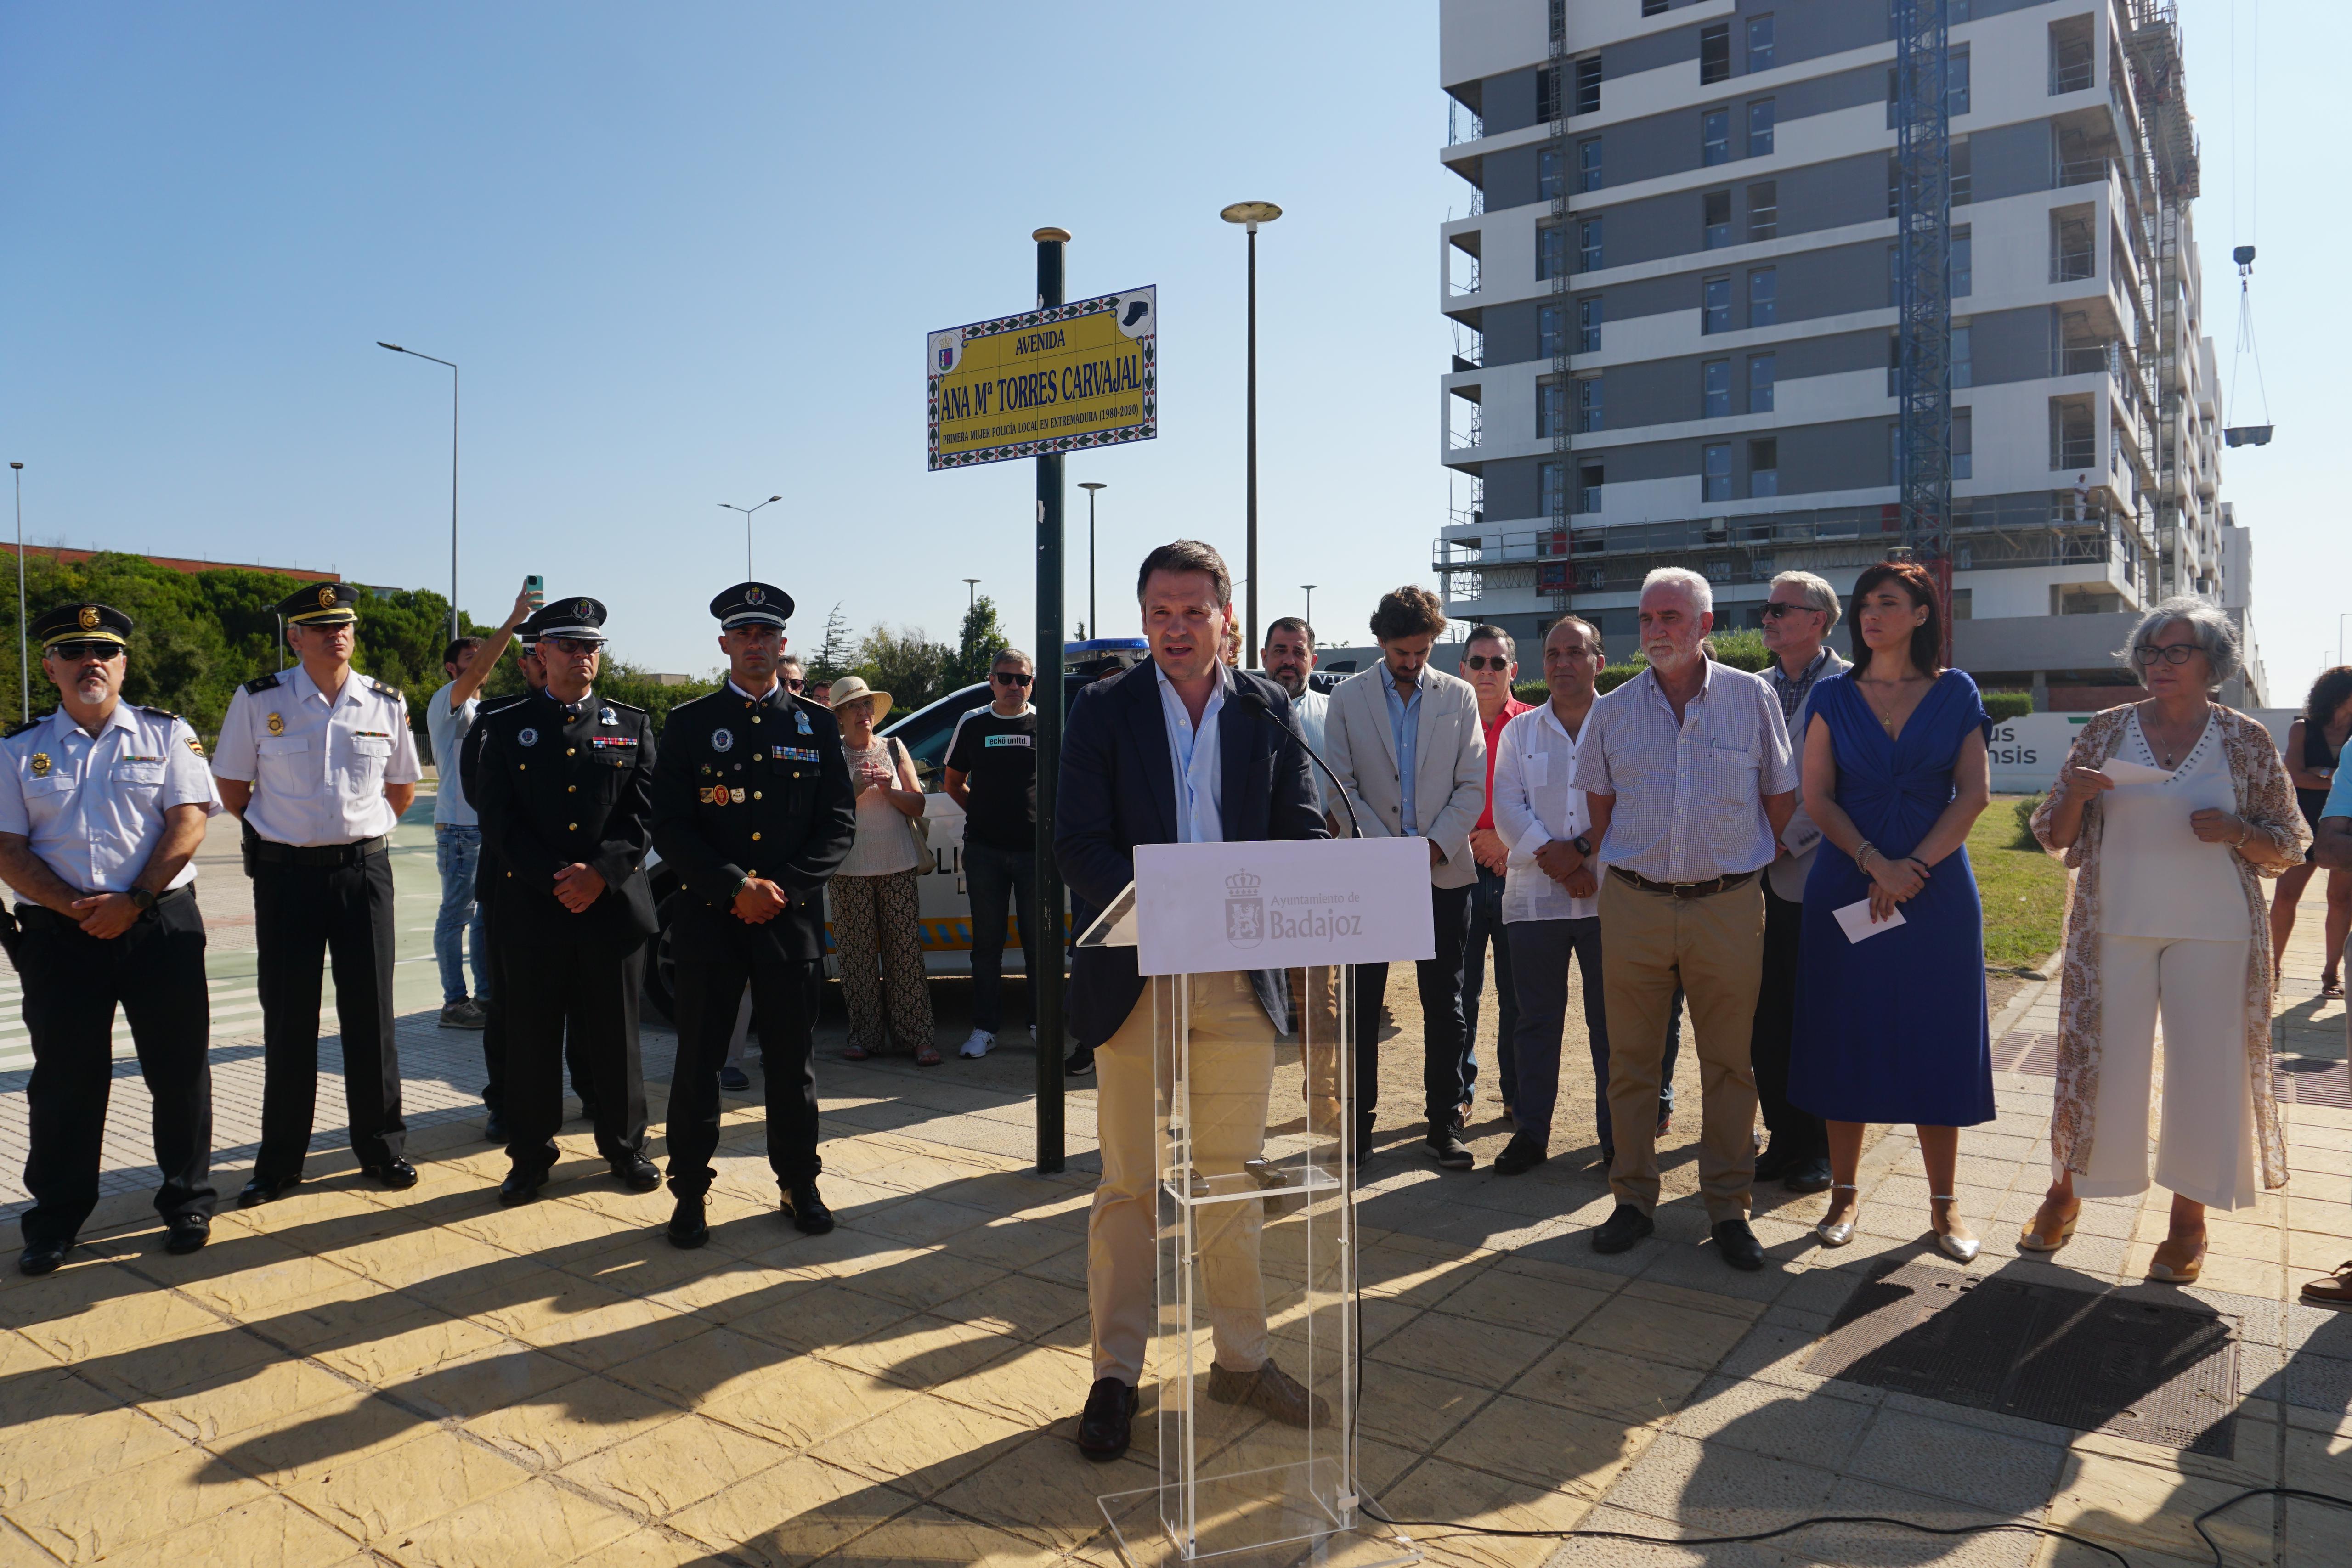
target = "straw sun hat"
x: 850, y: 689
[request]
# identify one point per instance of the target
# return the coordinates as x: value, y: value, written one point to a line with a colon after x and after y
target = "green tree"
x: 976, y: 650
x: 903, y: 663
x: 833, y: 651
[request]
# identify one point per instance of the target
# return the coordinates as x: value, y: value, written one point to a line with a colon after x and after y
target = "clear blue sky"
x: 687, y: 253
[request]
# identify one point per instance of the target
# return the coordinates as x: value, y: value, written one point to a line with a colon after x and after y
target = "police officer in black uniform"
x: 102, y: 803
x: 565, y: 779
x: 753, y: 808
x: 486, y: 871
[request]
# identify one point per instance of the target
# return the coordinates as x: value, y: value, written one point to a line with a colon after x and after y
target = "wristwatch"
x: 144, y: 899
x: 1583, y: 844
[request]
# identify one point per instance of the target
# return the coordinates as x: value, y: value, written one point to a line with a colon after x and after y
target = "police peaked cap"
x: 581, y: 617
x: 752, y: 604
x: 81, y: 622
x: 320, y: 604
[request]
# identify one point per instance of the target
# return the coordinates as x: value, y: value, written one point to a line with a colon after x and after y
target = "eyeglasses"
x: 2179, y: 653
x: 75, y: 652
x: 1775, y: 609
x: 1482, y: 662
x: 795, y: 686
x: 1002, y: 679
x: 572, y: 645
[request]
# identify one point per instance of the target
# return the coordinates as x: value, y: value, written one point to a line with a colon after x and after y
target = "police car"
x: 946, y: 903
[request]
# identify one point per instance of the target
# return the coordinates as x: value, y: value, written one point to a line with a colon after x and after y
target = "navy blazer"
x: 1118, y: 790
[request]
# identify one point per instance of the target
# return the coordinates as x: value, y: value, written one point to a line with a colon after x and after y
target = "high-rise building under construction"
x: 1681, y: 315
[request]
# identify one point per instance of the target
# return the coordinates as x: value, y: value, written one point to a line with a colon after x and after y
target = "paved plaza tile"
x: 424, y: 1378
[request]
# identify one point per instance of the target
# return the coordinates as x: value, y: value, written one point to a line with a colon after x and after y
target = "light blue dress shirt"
x: 91, y: 807
x: 1404, y: 728
x: 1199, y: 781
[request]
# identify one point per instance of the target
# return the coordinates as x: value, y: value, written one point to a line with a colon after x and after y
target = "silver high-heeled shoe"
x: 1963, y: 1249
x: 1841, y: 1233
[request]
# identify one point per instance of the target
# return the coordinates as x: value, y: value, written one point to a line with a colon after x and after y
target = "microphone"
x: 1259, y: 703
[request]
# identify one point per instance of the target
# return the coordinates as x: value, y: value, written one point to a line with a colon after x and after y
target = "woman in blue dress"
x: 1891, y: 1027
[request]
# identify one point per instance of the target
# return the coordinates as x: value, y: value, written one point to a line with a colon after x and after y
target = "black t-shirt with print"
x: 998, y: 757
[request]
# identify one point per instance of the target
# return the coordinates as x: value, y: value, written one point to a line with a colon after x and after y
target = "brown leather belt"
x: 1706, y: 889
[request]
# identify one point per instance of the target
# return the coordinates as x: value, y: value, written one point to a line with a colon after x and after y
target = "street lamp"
x: 24, y: 644
x: 1310, y: 606
x: 1249, y: 215
x: 971, y: 593
x: 453, y: 475
x: 1094, y: 627
x: 746, y: 512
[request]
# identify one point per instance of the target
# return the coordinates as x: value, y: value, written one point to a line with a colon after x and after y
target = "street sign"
x: 1060, y: 379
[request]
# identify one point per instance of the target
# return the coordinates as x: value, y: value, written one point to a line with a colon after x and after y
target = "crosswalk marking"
x: 236, y: 1009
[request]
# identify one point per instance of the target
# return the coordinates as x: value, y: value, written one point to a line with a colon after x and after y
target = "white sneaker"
x: 978, y: 1045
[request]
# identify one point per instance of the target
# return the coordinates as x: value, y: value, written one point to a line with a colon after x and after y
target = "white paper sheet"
x: 1854, y: 919
x: 2124, y: 772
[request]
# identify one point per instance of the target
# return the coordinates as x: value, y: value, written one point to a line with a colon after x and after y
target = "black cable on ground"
x: 2215, y: 1547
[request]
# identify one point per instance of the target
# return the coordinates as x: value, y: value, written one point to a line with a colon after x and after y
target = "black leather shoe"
x: 184, y: 1233
x: 399, y: 1175
x: 1739, y: 1245
x: 1271, y: 1392
x: 44, y: 1258
x: 687, y: 1228
x: 635, y: 1172
x: 1621, y: 1229
x: 734, y: 1079
x: 587, y: 1110
x: 520, y: 1187
x: 1806, y: 1176
x: 264, y: 1189
x: 493, y: 1131
x: 1521, y: 1155
x: 807, y: 1210
x: 1107, y: 1423
x: 1773, y: 1163
x: 1446, y: 1146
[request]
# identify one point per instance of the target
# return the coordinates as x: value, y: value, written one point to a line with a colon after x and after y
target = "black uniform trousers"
x: 73, y: 982
x: 304, y: 918
x: 583, y: 997
x: 711, y: 975
x: 1795, y: 1132
x: 494, y: 1026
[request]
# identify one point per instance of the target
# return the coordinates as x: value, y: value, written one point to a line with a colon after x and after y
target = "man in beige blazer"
x: 1408, y: 747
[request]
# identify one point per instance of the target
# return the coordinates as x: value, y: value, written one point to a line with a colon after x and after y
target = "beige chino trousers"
x: 1715, y: 948
x: 1231, y: 1078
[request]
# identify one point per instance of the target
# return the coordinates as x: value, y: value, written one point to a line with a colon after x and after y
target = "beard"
x: 1292, y: 681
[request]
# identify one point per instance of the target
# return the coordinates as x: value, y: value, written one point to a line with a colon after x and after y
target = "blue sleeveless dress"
x: 1893, y: 1028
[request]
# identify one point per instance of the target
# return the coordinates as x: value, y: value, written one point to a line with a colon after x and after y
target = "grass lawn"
x: 2023, y: 888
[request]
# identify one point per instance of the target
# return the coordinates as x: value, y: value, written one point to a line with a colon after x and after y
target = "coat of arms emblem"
x: 1244, y: 911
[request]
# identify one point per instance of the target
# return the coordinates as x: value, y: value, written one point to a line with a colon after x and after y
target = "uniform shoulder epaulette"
x: 16, y: 729
x: 625, y: 708
x: 395, y: 693
x: 161, y: 713
x: 261, y: 683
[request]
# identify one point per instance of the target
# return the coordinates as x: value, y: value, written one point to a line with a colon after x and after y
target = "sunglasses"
x: 1002, y: 679
x: 795, y: 686
x: 1775, y: 610
x: 572, y: 646
x: 1481, y: 661
x: 77, y: 651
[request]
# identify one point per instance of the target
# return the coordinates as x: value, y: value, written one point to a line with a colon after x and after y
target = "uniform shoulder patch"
x: 16, y: 729
x: 261, y: 683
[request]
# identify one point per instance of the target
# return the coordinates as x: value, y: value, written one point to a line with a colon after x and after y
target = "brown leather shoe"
x: 2335, y: 1291
x: 1270, y: 1391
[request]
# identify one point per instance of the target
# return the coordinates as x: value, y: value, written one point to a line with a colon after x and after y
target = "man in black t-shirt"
x: 991, y: 773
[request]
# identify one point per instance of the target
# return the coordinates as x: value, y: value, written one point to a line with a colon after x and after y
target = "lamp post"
x: 453, y: 475
x: 1310, y: 605
x: 1094, y: 627
x: 971, y: 593
x: 746, y: 512
x: 24, y: 644
x: 1249, y: 215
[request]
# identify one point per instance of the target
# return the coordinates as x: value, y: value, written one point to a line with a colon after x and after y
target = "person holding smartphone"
x: 457, y: 831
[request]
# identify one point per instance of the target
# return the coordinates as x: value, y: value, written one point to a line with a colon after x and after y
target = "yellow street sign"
x: 1059, y: 380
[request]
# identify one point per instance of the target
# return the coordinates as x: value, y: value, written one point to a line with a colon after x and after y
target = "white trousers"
x: 1232, y: 1048
x: 2205, y: 1140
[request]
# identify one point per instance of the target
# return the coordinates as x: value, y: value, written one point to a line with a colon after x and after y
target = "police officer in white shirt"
x: 319, y: 763
x: 101, y: 805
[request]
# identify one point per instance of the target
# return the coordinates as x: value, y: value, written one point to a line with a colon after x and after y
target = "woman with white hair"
x: 2168, y: 809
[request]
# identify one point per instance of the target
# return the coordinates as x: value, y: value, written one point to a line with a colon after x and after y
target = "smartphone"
x: 536, y: 586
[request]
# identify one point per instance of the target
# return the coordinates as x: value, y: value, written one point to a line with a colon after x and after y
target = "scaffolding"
x: 1561, y: 417
x: 1923, y: 237
x: 2153, y: 47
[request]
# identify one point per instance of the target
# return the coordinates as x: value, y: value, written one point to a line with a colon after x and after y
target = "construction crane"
x: 1923, y: 238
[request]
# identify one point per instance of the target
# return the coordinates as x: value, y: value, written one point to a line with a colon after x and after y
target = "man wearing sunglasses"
x: 1490, y: 664
x: 103, y: 804
x: 565, y: 781
x: 991, y: 773
x: 319, y: 762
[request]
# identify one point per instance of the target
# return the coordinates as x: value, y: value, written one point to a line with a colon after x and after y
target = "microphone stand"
x: 1355, y: 828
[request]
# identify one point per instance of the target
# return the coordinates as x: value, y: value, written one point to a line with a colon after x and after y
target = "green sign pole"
x: 1044, y: 915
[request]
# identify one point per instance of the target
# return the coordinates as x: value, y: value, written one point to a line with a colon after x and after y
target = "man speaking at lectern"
x: 1183, y: 749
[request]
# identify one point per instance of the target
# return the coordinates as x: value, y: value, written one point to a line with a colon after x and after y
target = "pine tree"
x: 976, y: 650
x: 835, y: 650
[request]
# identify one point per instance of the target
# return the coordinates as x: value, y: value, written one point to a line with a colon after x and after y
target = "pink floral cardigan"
x: 2265, y: 800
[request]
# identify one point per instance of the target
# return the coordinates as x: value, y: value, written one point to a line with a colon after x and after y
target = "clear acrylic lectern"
x: 1253, y: 1100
